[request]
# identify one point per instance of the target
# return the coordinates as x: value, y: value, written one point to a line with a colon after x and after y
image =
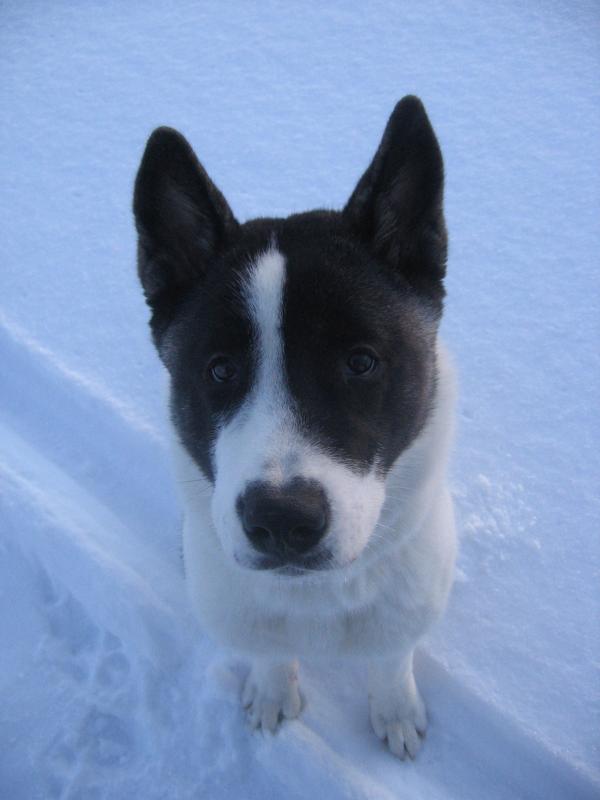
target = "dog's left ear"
x: 183, y: 220
x: 397, y: 206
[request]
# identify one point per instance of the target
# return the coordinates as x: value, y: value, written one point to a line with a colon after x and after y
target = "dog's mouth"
x: 291, y: 566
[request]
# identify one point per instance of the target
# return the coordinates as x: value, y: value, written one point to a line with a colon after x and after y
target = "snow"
x: 107, y: 687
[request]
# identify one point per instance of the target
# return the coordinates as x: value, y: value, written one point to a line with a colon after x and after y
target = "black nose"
x: 284, y: 521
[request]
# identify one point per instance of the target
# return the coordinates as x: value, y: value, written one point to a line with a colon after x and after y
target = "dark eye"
x: 361, y: 362
x: 222, y: 369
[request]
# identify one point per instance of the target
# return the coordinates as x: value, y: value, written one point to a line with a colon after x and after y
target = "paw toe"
x: 254, y: 715
x: 395, y: 738
x: 412, y: 742
x: 421, y: 717
x: 403, y: 738
x: 292, y: 704
x: 266, y: 708
x: 402, y: 725
x: 379, y: 725
x: 248, y: 694
x: 270, y: 717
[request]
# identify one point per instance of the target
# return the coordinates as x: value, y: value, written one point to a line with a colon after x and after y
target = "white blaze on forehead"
x: 270, y: 420
x: 256, y: 443
x: 263, y: 289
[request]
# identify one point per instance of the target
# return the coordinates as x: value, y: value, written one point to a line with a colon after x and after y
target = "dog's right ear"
x: 397, y: 206
x: 182, y: 219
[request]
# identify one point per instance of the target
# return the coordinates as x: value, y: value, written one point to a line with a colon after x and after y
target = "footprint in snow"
x: 97, y: 722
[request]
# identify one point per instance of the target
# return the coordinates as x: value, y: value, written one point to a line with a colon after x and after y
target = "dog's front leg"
x: 397, y: 709
x: 271, y: 692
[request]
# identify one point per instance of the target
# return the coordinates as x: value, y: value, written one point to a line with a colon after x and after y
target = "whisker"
x: 376, y: 536
x: 383, y: 525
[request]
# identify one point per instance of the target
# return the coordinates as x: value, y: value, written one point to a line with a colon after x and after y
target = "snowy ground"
x: 107, y: 689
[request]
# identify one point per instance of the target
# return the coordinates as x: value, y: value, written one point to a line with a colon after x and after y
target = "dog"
x: 312, y: 410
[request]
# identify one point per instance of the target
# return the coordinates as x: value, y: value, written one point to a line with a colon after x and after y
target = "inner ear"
x: 396, y: 208
x: 183, y: 220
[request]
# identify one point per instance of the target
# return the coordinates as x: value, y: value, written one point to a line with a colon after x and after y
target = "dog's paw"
x: 401, y: 720
x: 270, y: 693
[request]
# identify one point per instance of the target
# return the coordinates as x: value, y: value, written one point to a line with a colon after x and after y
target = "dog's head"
x: 301, y: 351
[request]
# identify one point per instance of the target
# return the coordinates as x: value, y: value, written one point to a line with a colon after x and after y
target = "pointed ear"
x: 397, y: 206
x: 182, y: 219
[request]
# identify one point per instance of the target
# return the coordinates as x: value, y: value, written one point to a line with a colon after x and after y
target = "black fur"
x: 397, y: 206
x: 369, y: 276
x: 182, y: 219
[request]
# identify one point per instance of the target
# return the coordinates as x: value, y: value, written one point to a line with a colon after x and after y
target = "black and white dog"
x: 312, y: 408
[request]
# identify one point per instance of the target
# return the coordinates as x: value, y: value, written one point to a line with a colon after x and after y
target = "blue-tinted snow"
x: 104, y: 691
